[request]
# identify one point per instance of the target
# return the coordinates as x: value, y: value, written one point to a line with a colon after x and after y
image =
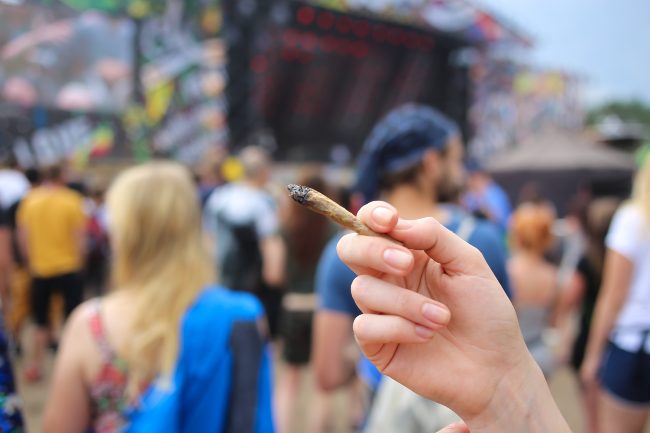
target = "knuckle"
x: 429, y: 224
x: 476, y: 253
x: 430, y: 221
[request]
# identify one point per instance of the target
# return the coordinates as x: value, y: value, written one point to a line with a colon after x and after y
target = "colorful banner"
x: 40, y: 136
x: 79, y: 104
x: 184, y: 76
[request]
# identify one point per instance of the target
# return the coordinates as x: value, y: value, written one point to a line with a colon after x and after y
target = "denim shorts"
x: 626, y: 375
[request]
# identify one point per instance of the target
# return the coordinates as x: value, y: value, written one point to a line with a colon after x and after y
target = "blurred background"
x: 551, y: 99
x: 103, y: 84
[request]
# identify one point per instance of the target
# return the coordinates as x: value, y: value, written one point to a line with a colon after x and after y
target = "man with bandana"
x: 412, y: 159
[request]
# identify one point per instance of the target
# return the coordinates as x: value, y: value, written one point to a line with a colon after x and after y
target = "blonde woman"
x: 163, y: 351
x: 619, y: 342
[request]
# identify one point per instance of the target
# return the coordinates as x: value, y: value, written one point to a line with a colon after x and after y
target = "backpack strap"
x: 466, y: 228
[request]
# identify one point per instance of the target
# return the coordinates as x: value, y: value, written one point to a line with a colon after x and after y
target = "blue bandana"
x: 398, y: 142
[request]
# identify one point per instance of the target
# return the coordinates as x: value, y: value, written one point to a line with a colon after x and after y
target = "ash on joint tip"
x: 298, y: 193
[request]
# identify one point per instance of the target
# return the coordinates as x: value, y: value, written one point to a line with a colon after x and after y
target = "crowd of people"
x: 62, y: 60
x: 216, y: 287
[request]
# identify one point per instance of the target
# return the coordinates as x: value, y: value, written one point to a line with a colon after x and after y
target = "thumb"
x: 455, y: 428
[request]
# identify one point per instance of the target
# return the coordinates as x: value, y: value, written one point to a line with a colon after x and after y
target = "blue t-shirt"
x: 495, y: 200
x: 485, y: 236
x: 333, y: 281
x: 334, y: 278
x: 213, y: 388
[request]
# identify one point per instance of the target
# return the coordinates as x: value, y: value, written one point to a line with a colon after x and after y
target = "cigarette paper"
x: 320, y: 203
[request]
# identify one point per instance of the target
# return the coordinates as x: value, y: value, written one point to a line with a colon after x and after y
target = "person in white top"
x: 247, y: 204
x: 618, y: 351
x: 241, y: 219
x: 13, y: 184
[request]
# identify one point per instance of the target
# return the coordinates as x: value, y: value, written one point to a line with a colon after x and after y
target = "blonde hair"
x: 531, y: 228
x: 641, y: 189
x: 159, y: 255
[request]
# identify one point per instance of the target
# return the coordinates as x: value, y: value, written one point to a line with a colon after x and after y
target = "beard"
x: 449, y: 189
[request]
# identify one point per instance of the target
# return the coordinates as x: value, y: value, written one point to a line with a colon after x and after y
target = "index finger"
x: 442, y: 245
x: 426, y: 234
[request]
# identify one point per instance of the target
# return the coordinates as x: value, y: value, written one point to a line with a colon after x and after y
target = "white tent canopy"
x: 559, y: 165
x: 557, y: 151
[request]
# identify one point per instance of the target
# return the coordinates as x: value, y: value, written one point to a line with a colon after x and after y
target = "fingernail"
x: 398, y: 258
x: 382, y: 216
x: 423, y: 332
x: 435, y: 313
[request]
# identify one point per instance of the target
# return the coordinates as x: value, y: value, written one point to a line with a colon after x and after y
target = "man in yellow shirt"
x: 52, y: 224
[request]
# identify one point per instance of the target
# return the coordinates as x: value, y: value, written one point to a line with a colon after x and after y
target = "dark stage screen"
x: 321, y: 79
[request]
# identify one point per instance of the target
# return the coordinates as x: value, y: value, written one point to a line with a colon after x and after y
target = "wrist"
x: 597, y: 343
x: 522, y: 403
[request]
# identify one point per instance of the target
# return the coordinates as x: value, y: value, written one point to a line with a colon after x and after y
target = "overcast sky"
x: 606, y: 41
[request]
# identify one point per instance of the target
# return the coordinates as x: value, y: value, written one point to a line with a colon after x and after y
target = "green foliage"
x: 628, y: 111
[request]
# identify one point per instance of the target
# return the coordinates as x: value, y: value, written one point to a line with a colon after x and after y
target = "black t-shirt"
x: 8, y: 221
x: 592, y: 286
x: 592, y: 280
x: 4, y: 218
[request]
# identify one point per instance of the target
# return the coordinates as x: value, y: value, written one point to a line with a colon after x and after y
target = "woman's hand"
x: 436, y: 319
x: 617, y: 274
x: 589, y: 371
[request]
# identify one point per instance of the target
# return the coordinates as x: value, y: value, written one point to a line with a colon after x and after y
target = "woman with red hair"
x: 534, y: 279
